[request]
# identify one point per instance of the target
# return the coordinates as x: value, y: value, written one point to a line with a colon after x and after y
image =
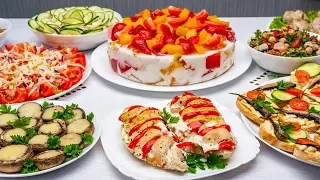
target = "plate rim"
x: 246, y: 121
x: 255, y: 144
x: 98, y: 129
x: 96, y: 62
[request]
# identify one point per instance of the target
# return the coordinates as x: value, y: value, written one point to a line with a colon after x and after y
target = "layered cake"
x: 171, y: 47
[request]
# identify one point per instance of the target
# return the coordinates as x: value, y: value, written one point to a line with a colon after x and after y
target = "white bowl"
x: 82, y: 42
x: 4, y: 24
x: 279, y: 64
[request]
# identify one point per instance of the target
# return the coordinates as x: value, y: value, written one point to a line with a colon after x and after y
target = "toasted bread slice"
x: 307, y: 153
x: 248, y: 111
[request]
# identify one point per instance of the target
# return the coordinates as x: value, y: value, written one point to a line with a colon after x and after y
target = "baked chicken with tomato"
x: 172, y: 46
x: 28, y: 72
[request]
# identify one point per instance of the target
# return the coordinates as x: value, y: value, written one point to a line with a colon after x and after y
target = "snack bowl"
x: 279, y: 64
x: 4, y: 24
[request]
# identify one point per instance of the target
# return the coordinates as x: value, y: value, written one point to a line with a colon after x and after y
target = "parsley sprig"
x: 264, y: 104
x: 313, y: 110
x: 282, y: 85
x: 212, y: 161
x: 30, y: 133
x: 29, y: 167
x: 168, y: 117
x: 53, y: 142
x: 87, y: 138
x: 72, y: 150
x: 90, y: 117
x: 7, y: 109
x: 19, y: 123
x: 45, y: 105
x: 288, y: 128
x: 66, y: 114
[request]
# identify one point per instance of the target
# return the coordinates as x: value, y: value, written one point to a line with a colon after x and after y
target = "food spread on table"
x: 286, y: 42
x: 74, y: 20
x: 28, y: 72
x: 309, y: 20
x: 288, y: 112
x: 36, y: 137
x: 186, y: 131
x: 170, y: 47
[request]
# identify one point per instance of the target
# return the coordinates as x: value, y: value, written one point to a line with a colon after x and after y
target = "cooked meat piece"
x: 311, y: 44
x: 288, y: 16
x: 217, y: 135
x: 278, y: 45
x: 299, y: 15
x: 262, y: 47
x: 301, y: 25
x: 315, y: 25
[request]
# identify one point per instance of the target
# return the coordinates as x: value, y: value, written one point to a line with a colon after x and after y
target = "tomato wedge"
x: 306, y: 141
x: 199, y: 113
x: 185, y: 144
x: 254, y: 94
x: 299, y: 104
x: 206, y: 130
x: 315, y: 91
x: 302, y: 76
x: 62, y: 83
x: 294, y: 91
x: 35, y: 95
x: 195, y: 126
x: 8, y: 96
x: 137, y: 127
x: 79, y: 58
x: 174, y: 100
x: 295, y: 124
x: 74, y: 74
x: 148, y: 146
x: 136, y: 139
x: 46, y: 90
x: 174, y: 11
x: 8, y: 46
x: 226, y: 145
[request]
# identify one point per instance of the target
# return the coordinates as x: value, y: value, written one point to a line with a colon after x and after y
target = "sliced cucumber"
x: 33, y: 24
x: 92, y: 20
x: 72, y: 26
x: 312, y: 68
x: 69, y: 12
x: 294, y: 135
x: 93, y: 8
x: 71, y: 21
x: 71, y: 31
x: 43, y: 16
x: 46, y: 28
x: 281, y: 95
x: 315, y: 106
x: 88, y: 17
x: 273, y: 104
x: 110, y: 14
x: 91, y: 31
x: 77, y: 15
x: 101, y: 16
x: 58, y: 11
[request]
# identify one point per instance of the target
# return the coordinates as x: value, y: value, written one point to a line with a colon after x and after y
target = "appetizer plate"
x: 254, y: 128
x: 126, y: 163
x: 96, y: 135
x: 101, y: 65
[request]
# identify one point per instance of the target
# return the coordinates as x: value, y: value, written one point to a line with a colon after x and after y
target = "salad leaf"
x: 72, y: 150
x: 87, y: 138
x: 7, y: 109
x: 168, y: 117
x: 282, y: 85
x: 311, y: 15
x: 53, y: 142
x: 277, y: 23
x: 215, y: 161
x: 45, y: 105
x: 90, y: 117
x: 19, y: 123
x: 29, y: 167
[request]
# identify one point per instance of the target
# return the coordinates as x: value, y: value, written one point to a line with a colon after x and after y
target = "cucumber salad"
x: 74, y: 20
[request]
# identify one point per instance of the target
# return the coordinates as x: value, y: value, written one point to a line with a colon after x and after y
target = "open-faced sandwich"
x: 288, y: 113
x: 37, y: 137
x: 188, y: 128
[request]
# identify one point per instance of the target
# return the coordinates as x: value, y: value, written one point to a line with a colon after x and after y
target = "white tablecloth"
x: 102, y: 96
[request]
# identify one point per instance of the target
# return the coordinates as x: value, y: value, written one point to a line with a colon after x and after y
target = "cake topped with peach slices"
x: 171, y: 47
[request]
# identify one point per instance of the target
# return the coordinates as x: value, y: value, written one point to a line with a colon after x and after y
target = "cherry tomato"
x: 8, y: 96
x: 295, y: 124
x: 226, y: 145
x: 74, y: 74
x: 46, y: 90
x: 294, y: 91
x: 148, y: 146
x: 299, y: 104
x: 315, y: 91
x: 306, y: 141
x: 35, y: 95
x: 254, y: 94
x: 302, y: 75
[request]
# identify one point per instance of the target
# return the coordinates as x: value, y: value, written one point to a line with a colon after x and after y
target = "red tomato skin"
x: 294, y: 91
x: 302, y: 76
x: 46, y: 90
x: 315, y: 91
x: 185, y: 144
x: 136, y: 139
x: 226, y: 145
x: 298, y: 104
x: 148, y: 146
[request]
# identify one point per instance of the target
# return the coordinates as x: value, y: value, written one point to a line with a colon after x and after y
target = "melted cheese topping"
x: 5, y: 118
x: 52, y: 128
x: 12, y: 152
x: 78, y: 127
x: 48, y: 154
x: 39, y: 139
x: 13, y: 132
x: 70, y: 139
x: 205, y: 146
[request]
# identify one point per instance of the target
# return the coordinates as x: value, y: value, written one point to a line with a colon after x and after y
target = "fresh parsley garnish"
x: 72, y: 150
x: 87, y: 139
x: 7, y: 109
x: 31, y: 133
x: 264, y: 104
x: 53, y: 142
x: 19, y: 123
x: 90, y: 117
x: 29, y: 167
x: 282, y: 85
x: 17, y: 139
x: 288, y: 128
x: 215, y: 161
x: 212, y: 161
x: 45, y: 105
x: 66, y: 114
x: 168, y: 117
x: 313, y: 110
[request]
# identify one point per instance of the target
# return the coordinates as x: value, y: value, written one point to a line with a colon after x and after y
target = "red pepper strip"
x: 137, y: 127
x: 185, y: 144
x: 195, y: 98
x: 195, y: 126
x: 226, y: 145
x: 306, y: 141
x: 206, y: 130
x: 136, y: 139
x: 148, y: 146
x: 174, y: 100
x: 187, y: 93
x: 198, y: 113
x: 134, y: 107
x: 151, y: 108
x: 196, y: 106
x: 175, y: 138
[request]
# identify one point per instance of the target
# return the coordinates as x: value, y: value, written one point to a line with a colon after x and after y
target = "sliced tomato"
x: 46, y: 90
x: 278, y: 34
x: 148, y: 146
x: 206, y: 130
x: 299, y: 104
x: 9, y: 47
x: 226, y: 145
x: 202, y: 14
x: 1, y: 51
x: 296, y: 42
x: 302, y: 76
x: 199, y: 113
x: 63, y: 84
x: 315, y: 91
x: 306, y: 141
x: 74, y: 74
x: 195, y: 126
x: 295, y: 124
x: 136, y: 139
x: 295, y: 92
x: 35, y: 95
x: 9, y: 96
x: 254, y: 94
x: 174, y: 11
x: 137, y: 127
x: 42, y: 48
x: 174, y: 100
x: 185, y: 144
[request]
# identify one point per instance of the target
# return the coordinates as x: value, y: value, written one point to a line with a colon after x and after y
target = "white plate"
x: 85, y: 76
x: 96, y: 135
x: 101, y: 65
x: 255, y: 128
x: 121, y: 158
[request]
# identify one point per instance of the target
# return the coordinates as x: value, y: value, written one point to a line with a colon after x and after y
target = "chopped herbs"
x: 19, y: 123
x: 29, y: 167
x: 264, y: 104
x: 66, y: 114
x: 45, y: 105
x: 87, y: 139
x: 17, y: 139
x: 31, y: 133
x: 168, y: 117
x: 212, y: 161
x: 311, y: 15
x: 313, y: 110
x: 215, y: 161
x: 7, y: 109
x: 277, y: 23
x: 282, y: 85
x: 53, y: 142
x: 257, y: 40
x: 90, y: 117
x: 72, y: 150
